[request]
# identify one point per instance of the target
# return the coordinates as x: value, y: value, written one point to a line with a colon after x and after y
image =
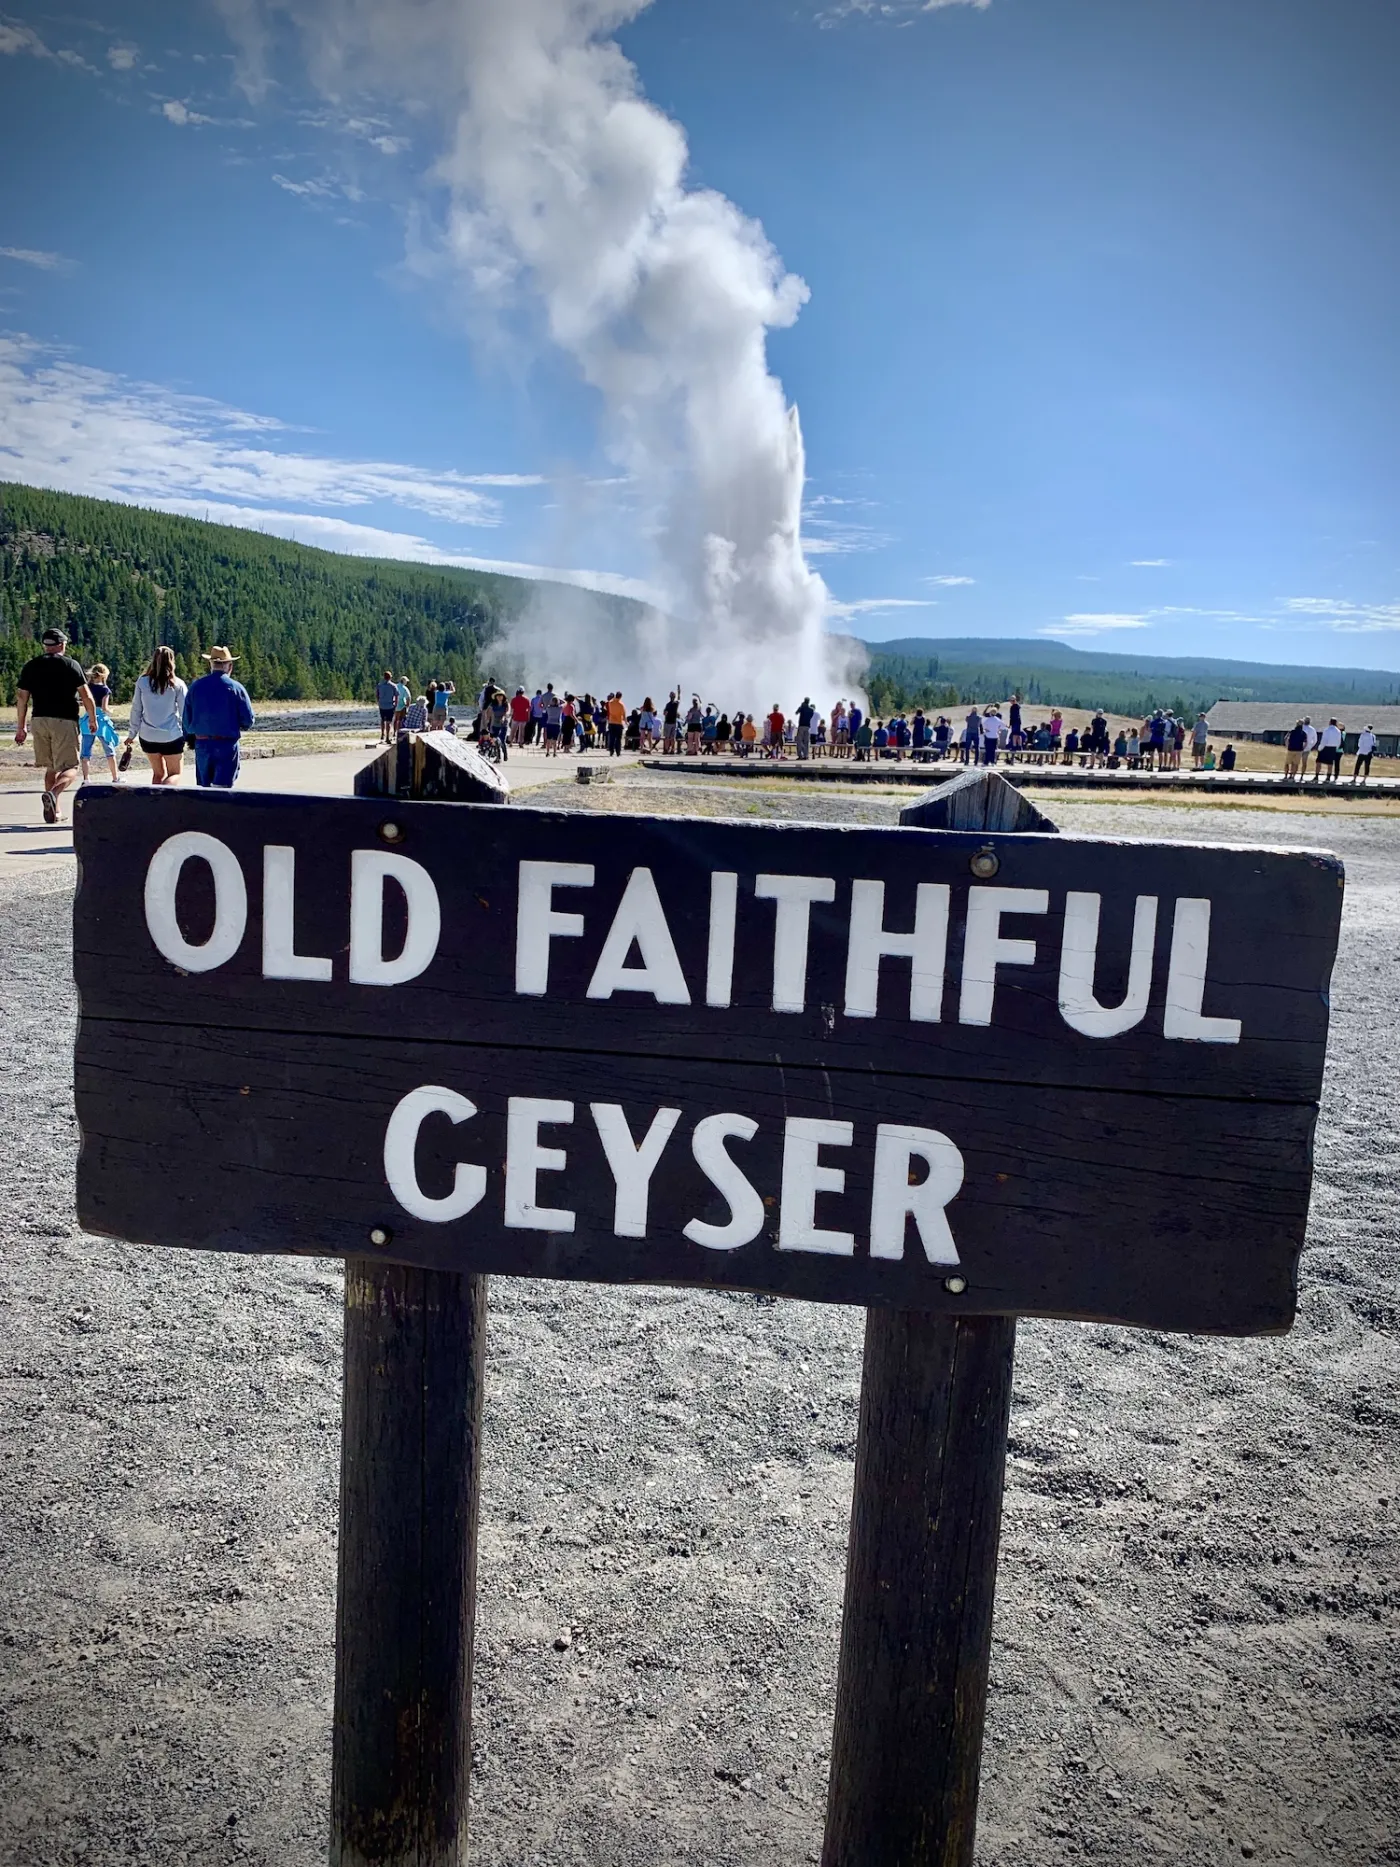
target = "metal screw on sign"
x: 985, y: 863
x: 390, y: 832
x: 379, y: 1236
x: 953, y: 1285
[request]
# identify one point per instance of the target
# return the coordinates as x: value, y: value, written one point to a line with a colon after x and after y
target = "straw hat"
x: 218, y: 654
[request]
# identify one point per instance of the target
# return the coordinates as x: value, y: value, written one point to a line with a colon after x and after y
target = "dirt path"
x: 1197, y: 1650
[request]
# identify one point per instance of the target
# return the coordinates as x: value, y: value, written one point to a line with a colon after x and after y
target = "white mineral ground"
x: 1197, y: 1652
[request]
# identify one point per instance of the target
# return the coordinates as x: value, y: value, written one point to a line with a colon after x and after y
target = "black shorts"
x: 386, y: 714
x: 169, y: 748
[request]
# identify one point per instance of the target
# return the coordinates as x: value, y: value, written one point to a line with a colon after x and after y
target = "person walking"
x: 217, y: 712
x: 387, y: 695
x: 51, y: 689
x: 105, y: 741
x: 157, y: 717
x: 1366, y: 743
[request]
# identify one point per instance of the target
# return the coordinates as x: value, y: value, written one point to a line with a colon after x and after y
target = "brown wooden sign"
x: 984, y: 1073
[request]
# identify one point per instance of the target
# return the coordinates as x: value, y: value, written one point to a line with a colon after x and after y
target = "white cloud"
x: 899, y: 11
x: 1345, y: 617
x: 1149, y: 563
x: 949, y: 583
x: 31, y: 256
x: 875, y: 605
x: 66, y: 425
x: 389, y: 145
x: 823, y: 537
x: 1084, y: 624
x: 16, y: 39
x: 315, y: 190
x: 333, y: 534
x: 121, y: 57
x: 180, y: 114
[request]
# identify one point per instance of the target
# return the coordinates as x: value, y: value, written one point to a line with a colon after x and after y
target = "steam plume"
x: 565, y: 186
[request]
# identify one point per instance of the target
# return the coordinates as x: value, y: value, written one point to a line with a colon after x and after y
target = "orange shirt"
x: 617, y: 713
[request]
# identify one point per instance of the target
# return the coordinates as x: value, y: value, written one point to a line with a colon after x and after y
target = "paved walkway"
x: 27, y: 843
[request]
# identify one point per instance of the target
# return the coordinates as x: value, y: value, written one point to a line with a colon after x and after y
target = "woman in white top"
x: 158, y: 717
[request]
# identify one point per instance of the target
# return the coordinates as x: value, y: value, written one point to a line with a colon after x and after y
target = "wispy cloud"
x: 18, y: 40
x: 875, y: 606
x: 180, y: 114
x: 1149, y: 563
x: 122, y: 57
x: 32, y: 256
x: 334, y: 534
x: 1094, y: 624
x: 897, y: 12
x: 825, y: 537
x: 949, y: 583
x: 66, y: 425
x: 1345, y: 617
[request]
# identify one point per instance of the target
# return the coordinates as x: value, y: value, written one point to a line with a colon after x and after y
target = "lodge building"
x: 1270, y: 721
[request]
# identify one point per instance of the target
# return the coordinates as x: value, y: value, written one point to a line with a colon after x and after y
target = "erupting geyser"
x: 566, y: 188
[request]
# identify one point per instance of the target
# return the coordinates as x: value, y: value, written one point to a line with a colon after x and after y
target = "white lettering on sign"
x: 230, y: 901
x: 526, y: 1160
x: 537, y: 922
x: 794, y: 895
x: 895, y: 1199
x: 804, y: 1177
x: 640, y: 922
x: 280, y: 957
x: 1186, y: 980
x: 370, y: 870
x: 719, y: 963
x: 1078, y: 957
x: 984, y: 949
x: 729, y: 1179
x: 401, y: 1156
x: 926, y: 948
x: 632, y: 1166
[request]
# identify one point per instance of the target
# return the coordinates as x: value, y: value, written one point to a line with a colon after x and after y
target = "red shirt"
x: 520, y: 709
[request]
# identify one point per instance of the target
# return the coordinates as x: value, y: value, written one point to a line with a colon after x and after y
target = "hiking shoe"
x: 50, y: 803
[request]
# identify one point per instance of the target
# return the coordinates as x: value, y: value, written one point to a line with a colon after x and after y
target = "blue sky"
x: 1099, y: 343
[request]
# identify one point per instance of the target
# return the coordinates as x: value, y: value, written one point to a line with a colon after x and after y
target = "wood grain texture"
x: 1168, y: 1212
x: 410, y: 1485
x: 1273, y: 938
x: 920, y: 1588
x: 916, y: 1632
x: 433, y: 765
x: 975, y: 800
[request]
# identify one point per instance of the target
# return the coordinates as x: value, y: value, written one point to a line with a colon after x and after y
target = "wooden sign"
x: 988, y: 1074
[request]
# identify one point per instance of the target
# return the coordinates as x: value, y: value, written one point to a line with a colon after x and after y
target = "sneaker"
x: 50, y: 803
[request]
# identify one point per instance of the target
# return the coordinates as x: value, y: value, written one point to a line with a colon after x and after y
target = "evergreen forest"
x: 305, y: 624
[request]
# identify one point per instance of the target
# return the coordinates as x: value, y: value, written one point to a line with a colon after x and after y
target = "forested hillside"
x: 942, y: 672
x: 306, y: 624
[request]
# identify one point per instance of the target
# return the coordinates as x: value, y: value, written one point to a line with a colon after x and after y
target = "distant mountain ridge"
x: 947, y: 670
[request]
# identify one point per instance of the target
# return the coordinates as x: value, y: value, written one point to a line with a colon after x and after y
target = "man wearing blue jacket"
x: 217, y: 711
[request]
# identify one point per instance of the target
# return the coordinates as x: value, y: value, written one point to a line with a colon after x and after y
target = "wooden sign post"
x: 939, y: 1071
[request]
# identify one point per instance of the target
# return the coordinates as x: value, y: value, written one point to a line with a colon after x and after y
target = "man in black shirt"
x: 49, y: 692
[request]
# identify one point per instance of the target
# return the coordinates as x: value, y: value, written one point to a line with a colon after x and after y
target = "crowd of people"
x: 64, y: 709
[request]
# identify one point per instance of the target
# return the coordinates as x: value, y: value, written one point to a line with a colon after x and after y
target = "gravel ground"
x: 1197, y: 1652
